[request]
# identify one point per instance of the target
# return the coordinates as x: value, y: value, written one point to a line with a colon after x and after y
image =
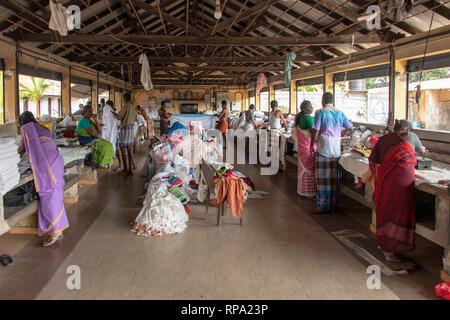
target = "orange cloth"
x: 232, y: 190
x: 223, y: 126
x: 368, y: 178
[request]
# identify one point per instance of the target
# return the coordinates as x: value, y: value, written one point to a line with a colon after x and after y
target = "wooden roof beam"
x: 244, y: 15
x: 169, y: 18
x: 194, y: 60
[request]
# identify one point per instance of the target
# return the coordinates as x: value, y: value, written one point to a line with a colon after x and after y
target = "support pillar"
x: 401, y: 88
x: 65, y: 92
x: 10, y: 86
x: 293, y: 98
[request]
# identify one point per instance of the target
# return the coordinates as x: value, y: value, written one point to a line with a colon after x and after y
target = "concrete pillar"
x: 10, y: 86
x: 401, y: 89
x: 293, y: 98
x: 271, y: 94
x: 94, y: 93
x: 328, y: 82
x: 257, y: 104
x: 65, y: 92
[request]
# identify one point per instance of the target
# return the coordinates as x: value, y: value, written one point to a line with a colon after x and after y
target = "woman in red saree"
x: 48, y: 173
x: 392, y: 163
x: 306, y: 181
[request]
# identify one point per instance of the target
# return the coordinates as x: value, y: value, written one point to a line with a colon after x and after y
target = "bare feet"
x: 117, y: 168
x: 392, y: 257
x: 130, y: 173
x: 123, y: 172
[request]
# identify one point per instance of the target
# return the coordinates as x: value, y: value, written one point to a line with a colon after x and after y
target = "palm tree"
x: 35, y: 93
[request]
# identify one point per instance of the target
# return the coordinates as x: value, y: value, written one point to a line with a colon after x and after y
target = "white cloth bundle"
x: 59, y: 18
x: 5, y: 142
x: 9, y: 170
x: 9, y: 162
x: 110, y: 124
x: 67, y: 122
x: 162, y: 211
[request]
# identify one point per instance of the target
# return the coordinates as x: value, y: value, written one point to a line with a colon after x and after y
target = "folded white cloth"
x: 4, y: 142
x: 7, y: 187
x: 9, y: 162
x: 4, y: 177
x: 8, y: 151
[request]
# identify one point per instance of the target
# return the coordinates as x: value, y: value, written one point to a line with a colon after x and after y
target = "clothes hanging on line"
x: 146, y: 78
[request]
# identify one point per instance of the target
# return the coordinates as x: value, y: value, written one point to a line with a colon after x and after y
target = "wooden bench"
x: 24, y: 219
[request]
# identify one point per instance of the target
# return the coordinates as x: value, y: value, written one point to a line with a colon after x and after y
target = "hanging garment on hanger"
x: 146, y: 78
x: 261, y: 81
x: 59, y: 18
x: 290, y: 57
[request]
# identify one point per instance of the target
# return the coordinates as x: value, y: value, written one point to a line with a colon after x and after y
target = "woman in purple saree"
x: 48, y: 172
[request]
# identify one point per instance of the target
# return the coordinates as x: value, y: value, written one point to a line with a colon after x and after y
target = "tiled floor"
x: 280, y: 252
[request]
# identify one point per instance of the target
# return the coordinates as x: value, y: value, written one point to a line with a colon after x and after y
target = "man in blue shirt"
x: 328, y: 123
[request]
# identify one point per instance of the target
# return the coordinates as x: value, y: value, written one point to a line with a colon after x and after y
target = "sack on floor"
x: 20, y: 196
x: 443, y: 290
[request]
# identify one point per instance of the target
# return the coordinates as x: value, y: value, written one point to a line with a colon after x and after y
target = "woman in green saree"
x: 102, y: 150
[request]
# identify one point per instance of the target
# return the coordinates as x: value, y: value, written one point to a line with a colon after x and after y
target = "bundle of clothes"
x: 9, y: 160
x: 174, y: 180
x: 165, y: 208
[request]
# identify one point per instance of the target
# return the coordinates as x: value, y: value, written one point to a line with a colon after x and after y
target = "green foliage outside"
x: 429, y: 75
x: 34, y: 93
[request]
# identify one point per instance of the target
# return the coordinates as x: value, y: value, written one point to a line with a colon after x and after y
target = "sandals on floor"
x: 52, y: 241
x: 6, y: 260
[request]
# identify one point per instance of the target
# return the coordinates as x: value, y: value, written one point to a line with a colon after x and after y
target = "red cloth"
x: 261, y: 81
x: 394, y: 193
x: 443, y: 290
x: 306, y: 180
x: 373, y: 141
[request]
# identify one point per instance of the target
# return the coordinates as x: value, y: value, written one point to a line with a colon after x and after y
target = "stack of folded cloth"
x: 9, y: 170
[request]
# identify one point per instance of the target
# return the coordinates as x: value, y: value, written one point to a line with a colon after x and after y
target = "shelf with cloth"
x: 12, y: 216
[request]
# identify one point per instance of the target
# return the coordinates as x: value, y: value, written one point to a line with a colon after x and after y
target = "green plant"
x: 35, y: 93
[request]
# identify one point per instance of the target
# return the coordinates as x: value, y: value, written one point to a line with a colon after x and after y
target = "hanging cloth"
x: 261, y: 81
x: 290, y: 57
x: 146, y: 78
x: 59, y: 18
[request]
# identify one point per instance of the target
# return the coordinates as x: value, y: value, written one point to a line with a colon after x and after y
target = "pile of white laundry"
x: 9, y: 169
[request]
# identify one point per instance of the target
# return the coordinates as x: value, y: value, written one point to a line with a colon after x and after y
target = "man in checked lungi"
x: 127, y: 117
x: 328, y: 123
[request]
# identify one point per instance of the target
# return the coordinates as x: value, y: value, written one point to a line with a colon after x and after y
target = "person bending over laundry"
x: 48, y: 171
x: 392, y: 163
